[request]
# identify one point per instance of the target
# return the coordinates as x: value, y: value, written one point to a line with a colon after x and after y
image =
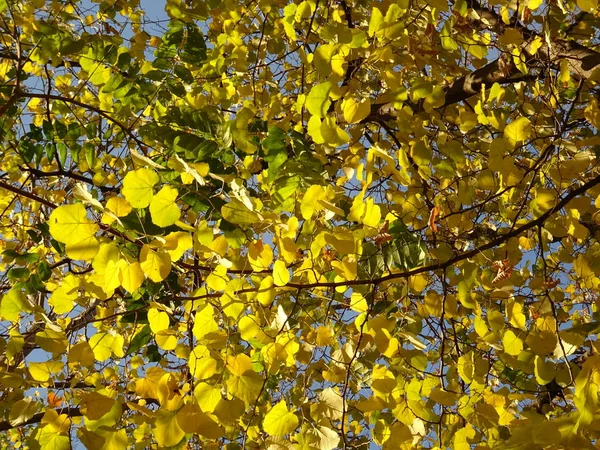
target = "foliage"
x: 299, y: 224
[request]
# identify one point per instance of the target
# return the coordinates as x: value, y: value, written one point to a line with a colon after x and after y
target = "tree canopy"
x: 299, y: 224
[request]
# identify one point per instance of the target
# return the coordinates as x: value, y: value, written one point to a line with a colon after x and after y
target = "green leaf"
x: 140, y: 340
x: 236, y: 212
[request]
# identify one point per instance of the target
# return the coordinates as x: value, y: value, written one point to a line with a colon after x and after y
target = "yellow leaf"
x: 107, y: 252
x: 324, y: 438
x: 399, y: 434
x: 303, y: 11
x: 113, y: 440
x: 208, y: 396
x: 511, y: 343
x: 81, y: 354
x: 148, y: 386
x: 587, y: 5
x: 192, y: 420
x: 22, y: 411
x: 443, y: 397
x: 105, y: 344
x: 518, y: 130
x: 57, y: 423
x: 217, y: 280
x: 322, y: 59
x: 358, y: 303
x: 266, y: 293
x: 542, y: 342
x: 436, y: 99
x: 534, y: 4
x: 163, y: 208
x: 586, y: 391
x: 166, y: 429
x: 324, y: 336
x: 545, y: 371
x: 201, y: 364
x: 156, y: 264
x: 466, y: 367
x: 447, y: 40
x: 132, y: 276
x: 158, y: 320
x: 434, y: 303
x: 112, y: 275
x: 63, y: 298
x: 310, y: 200
x: 281, y: 274
x: 137, y: 187
x: 279, y: 421
x: 372, y: 215
x: 70, y: 225
x: 330, y: 405
x: 204, y: 322
x: 177, y: 243
x: 317, y: 101
x: 42, y: 371
x: 94, y: 405
x: 119, y: 206
x: 52, y: 341
x: 314, y: 130
x: 166, y: 339
x: 49, y: 439
x: 248, y: 327
x: 519, y: 58
x: 260, y: 255
x: 354, y: 111
x: 516, y: 317
x: 237, y: 213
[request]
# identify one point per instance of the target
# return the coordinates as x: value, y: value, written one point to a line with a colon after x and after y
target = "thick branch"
x: 582, y: 61
x: 69, y: 411
x: 466, y: 255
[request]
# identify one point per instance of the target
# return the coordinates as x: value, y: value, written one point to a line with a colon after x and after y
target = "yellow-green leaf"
x: 42, y: 371
x: 12, y: 304
x: 244, y: 383
x: 279, y: 421
x: 156, y: 264
x: 333, y: 135
x: 163, y: 208
x: 355, y: 111
x: 138, y: 187
x: 281, y: 274
x: 317, y: 101
x: 202, y: 365
x: 70, y: 225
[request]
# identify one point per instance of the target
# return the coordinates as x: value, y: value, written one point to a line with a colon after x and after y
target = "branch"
x: 98, y: 111
x: 70, y: 411
x: 466, y: 255
x: 29, y: 195
x: 582, y: 61
x: 68, y: 174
